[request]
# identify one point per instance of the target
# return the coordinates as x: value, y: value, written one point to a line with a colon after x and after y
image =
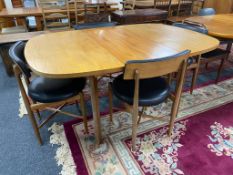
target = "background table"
x: 95, y: 52
x: 220, y: 26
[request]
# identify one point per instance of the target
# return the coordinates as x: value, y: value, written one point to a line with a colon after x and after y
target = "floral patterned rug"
x: 200, y: 144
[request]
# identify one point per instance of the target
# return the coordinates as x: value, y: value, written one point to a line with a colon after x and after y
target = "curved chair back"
x: 206, y: 12
x: 155, y: 67
x: 16, y: 53
x: 192, y: 26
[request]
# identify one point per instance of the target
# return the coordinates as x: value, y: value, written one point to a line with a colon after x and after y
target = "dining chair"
x: 40, y: 93
x: 206, y: 12
x: 163, y: 4
x: 128, y: 4
x: 56, y: 14
x: 142, y: 85
x: 217, y: 54
x: 180, y: 10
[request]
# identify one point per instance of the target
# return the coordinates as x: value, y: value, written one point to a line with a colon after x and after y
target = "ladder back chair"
x: 181, y: 9
x: 141, y: 84
x: 217, y: 54
x: 83, y: 10
x: 185, y: 7
x: 163, y: 4
x: 41, y: 93
x: 128, y: 4
x: 56, y: 14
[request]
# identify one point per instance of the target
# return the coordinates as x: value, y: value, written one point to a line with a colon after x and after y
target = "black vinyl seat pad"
x: 47, y: 90
x: 215, y: 53
x: 152, y: 91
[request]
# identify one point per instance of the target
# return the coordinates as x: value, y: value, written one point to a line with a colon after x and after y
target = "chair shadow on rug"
x: 45, y: 93
x: 141, y: 84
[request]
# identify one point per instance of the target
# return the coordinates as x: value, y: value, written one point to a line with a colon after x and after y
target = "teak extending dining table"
x: 96, y: 52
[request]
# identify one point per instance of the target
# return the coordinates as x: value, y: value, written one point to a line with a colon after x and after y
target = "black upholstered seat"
x: 152, y: 91
x: 215, y: 53
x: 94, y: 25
x: 46, y: 90
x: 45, y: 93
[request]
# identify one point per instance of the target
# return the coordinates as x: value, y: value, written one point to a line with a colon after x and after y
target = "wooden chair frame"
x: 199, y: 60
x: 33, y: 107
x: 168, y: 3
x: 148, y: 70
x: 52, y: 11
x: 128, y: 4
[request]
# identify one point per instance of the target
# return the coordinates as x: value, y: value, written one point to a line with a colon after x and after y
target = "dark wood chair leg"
x: 220, y: 69
x: 83, y: 110
x: 195, y: 73
x: 110, y: 101
x: 134, y: 127
x: 35, y: 126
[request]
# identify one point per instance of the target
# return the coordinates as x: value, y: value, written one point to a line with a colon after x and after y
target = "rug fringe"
x: 63, y: 155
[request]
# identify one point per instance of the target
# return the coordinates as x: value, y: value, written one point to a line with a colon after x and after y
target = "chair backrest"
x: 83, y: 9
x: 197, y: 27
x: 163, y: 4
x: 56, y: 14
x: 155, y: 67
x: 181, y: 7
x: 206, y: 12
x: 129, y: 4
x: 16, y: 53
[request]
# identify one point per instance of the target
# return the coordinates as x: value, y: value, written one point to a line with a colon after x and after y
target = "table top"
x: 220, y: 25
x: 106, y: 50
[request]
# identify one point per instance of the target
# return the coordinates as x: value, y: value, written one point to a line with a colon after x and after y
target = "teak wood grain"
x: 220, y: 25
x: 105, y: 50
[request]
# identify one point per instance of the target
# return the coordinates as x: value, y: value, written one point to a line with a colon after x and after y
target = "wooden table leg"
x: 95, y: 109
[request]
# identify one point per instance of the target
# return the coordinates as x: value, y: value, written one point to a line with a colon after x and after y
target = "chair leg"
x: 140, y: 114
x: 35, y: 126
x: 83, y: 110
x: 195, y: 73
x: 220, y: 69
x: 110, y: 101
x: 38, y: 114
x: 134, y: 127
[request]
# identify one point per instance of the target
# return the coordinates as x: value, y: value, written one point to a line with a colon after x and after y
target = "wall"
x: 221, y: 6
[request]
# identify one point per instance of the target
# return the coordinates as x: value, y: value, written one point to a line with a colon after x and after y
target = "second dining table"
x: 219, y: 26
x: 95, y: 52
